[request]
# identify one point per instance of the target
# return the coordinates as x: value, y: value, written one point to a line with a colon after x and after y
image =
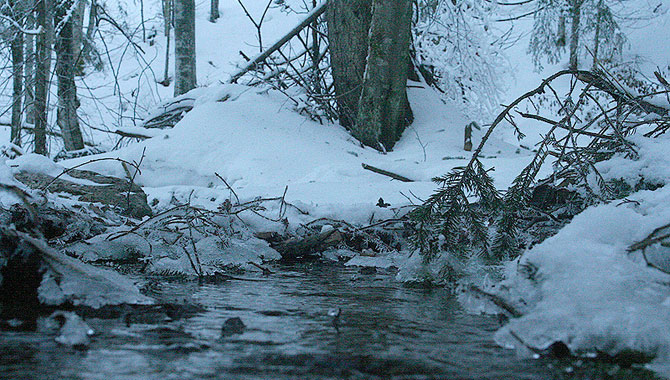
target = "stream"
x: 385, y: 331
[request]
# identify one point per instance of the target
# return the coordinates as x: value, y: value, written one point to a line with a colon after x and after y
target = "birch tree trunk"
x: 384, y: 111
x: 65, y: 69
x: 184, y: 46
x: 348, y: 27
x: 42, y: 71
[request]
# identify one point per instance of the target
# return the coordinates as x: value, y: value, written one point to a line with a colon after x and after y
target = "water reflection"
x: 385, y: 331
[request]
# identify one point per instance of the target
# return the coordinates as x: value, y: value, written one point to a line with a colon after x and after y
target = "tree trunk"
x: 17, y: 94
x: 214, y: 10
x: 348, y: 27
x: 88, y: 45
x: 384, y: 110
x: 29, y: 70
x: 167, y: 20
x: 596, y: 37
x: 78, y: 36
x: 67, y: 91
x: 574, y: 34
x: 184, y: 46
x: 42, y: 69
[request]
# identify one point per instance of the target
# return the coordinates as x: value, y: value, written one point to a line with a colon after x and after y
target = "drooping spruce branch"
x: 458, y: 216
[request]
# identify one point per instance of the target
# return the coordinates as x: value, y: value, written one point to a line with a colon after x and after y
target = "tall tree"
x: 575, y: 13
x: 78, y: 35
x: 213, y: 10
x: 65, y: 70
x: 369, y: 47
x: 42, y: 73
x: 383, y: 109
x: 184, y: 46
x: 348, y: 27
x: 594, y: 30
x: 16, y: 44
x: 29, y: 68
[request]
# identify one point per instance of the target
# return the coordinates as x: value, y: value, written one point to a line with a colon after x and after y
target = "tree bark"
x: 348, y: 27
x: 384, y: 110
x: 78, y: 35
x: 576, y: 6
x: 65, y: 70
x: 88, y: 45
x: 29, y: 69
x: 17, y: 93
x: 167, y: 20
x: 42, y: 70
x: 214, y: 10
x: 184, y: 46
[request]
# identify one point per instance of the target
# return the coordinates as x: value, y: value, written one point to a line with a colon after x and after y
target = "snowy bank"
x: 583, y: 287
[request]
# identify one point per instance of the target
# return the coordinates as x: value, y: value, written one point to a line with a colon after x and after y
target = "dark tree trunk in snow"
x: 576, y: 6
x: 65, y: 69
x: 88, y: 45
x: 184, y: 46
x: 348, y: 27
x: 369, y: 49
x: 78, y: 35
x: 42, y: 71
x: 213, y: 10
x: 29, y: 70
x: 383, y: 110
x: 17, y: 94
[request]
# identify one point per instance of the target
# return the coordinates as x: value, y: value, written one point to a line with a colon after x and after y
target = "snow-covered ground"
x: 587, y: 290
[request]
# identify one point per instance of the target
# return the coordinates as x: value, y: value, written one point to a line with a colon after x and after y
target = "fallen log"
x: 307, y: 248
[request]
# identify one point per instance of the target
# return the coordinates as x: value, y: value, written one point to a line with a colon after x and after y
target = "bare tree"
x: 214, y: 11
x: 42, y: 70
x: 184, y: 46
x: 78, y: 35
x: 369, y: 46
x: 348, y: 27
x: 65, y: 70
x: 383, y: 109
x: 29, y: 68
x: 167, y: 20
x: 16, y: 46
x: 576, y: 6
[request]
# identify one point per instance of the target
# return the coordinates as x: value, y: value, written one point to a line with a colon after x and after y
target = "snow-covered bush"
x: 458, y: 45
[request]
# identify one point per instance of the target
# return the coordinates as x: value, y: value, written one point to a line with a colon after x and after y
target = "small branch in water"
x: 498, y: 301
x: 265, y: 270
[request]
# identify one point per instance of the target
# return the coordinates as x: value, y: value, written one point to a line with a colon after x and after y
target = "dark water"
x: 385, y: 331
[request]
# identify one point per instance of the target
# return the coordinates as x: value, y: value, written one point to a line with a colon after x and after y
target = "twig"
x: 229, y: 188
x: 386, y: 173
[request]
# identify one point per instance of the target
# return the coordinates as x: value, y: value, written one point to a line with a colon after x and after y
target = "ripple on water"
x: 384, y: 331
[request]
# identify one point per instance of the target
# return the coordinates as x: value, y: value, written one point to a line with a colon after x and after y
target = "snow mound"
x: 584, y: 288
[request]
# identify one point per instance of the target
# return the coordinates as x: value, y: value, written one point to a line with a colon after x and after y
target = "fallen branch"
x: 315, y: 14
x: 386, y: 173
x: 498, y: 301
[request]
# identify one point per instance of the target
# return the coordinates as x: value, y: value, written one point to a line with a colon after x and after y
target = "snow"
x: 83, y: 284
x: 582, y: 287
x: 588, y: 291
